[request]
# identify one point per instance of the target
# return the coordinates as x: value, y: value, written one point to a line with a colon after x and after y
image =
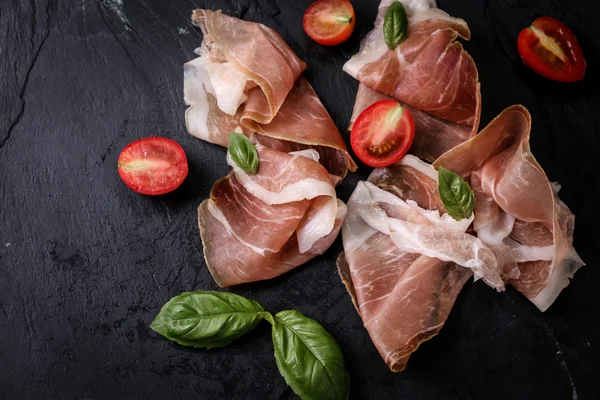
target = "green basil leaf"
x: 207, y: 318
x: 242, y: 152
x: 395, y: 25
x: 456, y: 194
x: 308, y: 357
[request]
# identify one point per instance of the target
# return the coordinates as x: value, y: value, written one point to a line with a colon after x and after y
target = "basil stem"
x: 307, y: 356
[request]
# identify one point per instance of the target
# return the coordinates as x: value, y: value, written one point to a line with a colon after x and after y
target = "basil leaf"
x: 456, y: 194
x: 242, y: 152
x: 395, y: 25
x: 207, y: 318
x: 308, y: 357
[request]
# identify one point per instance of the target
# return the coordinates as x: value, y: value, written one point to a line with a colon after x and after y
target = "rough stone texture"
x: 85, y: 263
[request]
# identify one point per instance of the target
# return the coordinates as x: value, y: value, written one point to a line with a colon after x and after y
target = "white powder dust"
x: 117, y: 7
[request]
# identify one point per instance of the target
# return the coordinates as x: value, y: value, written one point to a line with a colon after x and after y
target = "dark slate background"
x: 85, y: 263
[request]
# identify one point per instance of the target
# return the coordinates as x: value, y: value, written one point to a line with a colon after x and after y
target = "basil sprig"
x: 242, y: 152
x: 395, y: 25
x: 207, y: 319
x: 456, y: 194
x: 306, y: 355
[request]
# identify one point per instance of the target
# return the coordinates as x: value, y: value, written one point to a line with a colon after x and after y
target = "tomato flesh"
x: 153, y: 165
x: 329, y: 22
x: 382, y: 133
x: 551, y: 49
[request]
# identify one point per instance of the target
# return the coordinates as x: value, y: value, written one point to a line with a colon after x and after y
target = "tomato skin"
x: 535, y: 53
x: 153, y: 165
x: 329, y: 22
x: 382, y: 134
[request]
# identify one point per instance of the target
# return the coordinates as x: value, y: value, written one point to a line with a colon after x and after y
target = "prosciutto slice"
x: 235, y: 52
x: 429, y: 72
x: 517, y: 209
x: 404, y: 264
x: 256, y: 227
x: 246, y: 76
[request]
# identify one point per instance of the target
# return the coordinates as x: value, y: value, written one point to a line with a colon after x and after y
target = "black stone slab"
x: 85, y: 263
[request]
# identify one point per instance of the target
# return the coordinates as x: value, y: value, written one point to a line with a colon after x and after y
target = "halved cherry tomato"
x: 153, y: 165
x: 549, y: 48
x: 382, y: 133
x: 329, y: 22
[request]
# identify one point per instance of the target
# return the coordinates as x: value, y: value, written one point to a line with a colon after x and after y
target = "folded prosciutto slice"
x: 247, y: 76
x: 517, y: 209
x: 404, y: 263
x: 430, y: 73
x: 256, y: 227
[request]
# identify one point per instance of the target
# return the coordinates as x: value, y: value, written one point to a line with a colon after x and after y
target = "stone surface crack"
x: 244, y: 10
x: 117, y: 7
x: 559, y: 353
x: 119, y: 41
x: 272, y: 14
x: 25, y: 84
x: 3, y: 311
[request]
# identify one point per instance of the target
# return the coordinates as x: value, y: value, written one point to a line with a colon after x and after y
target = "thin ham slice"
x: 517, y: 208
x: 303, y: 123
x: 246, y: 76
x: 417, y: 230
x: 430, y: 73
x: 256, y: 227
x: 203, y: 118
x: 401, y: 258
x: 235, y: 52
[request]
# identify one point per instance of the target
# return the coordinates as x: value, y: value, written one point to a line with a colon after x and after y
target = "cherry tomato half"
x: 382, y: 133
x: 329, y: 22
x: 153, y: 165
x: 550, y: 48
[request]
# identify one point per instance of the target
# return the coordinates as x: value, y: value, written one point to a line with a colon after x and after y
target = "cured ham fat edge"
x: 246, y: 76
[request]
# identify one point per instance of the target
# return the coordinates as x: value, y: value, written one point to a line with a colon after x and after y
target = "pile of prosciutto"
x: 247, y: 77
x: 258, y: 226
x: 429, y: 73
x: 517, y: 210
x: 405, y: 258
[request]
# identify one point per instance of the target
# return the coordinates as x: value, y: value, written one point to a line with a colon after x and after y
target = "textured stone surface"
x: 85, y: 263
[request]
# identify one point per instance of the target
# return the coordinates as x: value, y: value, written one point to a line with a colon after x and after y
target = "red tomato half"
x: 329, y: 22
x: 382, y: 133
x: 549, y: 48
x: 153, y: 165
